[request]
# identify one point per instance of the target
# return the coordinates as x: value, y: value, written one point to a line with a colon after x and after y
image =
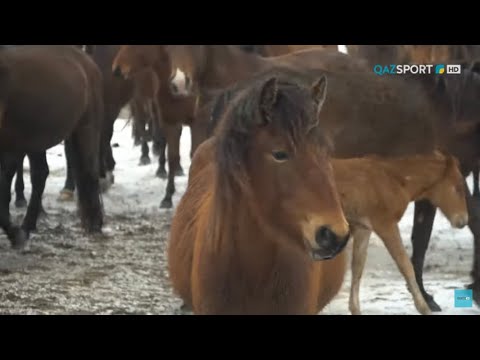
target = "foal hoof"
x: 166, y: 204
x: 66, y: 195
x: 21, y: 203
x: 145, y: 160
x: 161, y: 173
x: 18, y: 238
x: 180, y: 172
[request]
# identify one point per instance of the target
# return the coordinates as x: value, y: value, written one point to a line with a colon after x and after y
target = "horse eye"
x: 280, y: 156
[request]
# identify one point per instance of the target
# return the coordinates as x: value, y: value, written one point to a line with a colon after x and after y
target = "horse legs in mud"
x: 9, y: 163
x: 68, y: 190
x: 107, y: 162
x: 20, y: 200
x: 172, y: 134
x: 39, y: 173
x: 422, y: 230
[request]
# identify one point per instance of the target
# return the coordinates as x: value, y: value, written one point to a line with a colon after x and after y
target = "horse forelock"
x: 292, y: 115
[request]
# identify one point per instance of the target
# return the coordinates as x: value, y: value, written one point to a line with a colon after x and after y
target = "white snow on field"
x: 383, y: 290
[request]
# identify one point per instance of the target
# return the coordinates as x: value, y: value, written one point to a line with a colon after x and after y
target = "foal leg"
x: 68, y: 191
x: 390, y: 236
x: 20, y: 201
x: 39, y: 174
x: 361, y: 238
x: 422, y: 230
x: 9, y: 165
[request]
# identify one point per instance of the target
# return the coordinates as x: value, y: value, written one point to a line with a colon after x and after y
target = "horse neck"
x: 418, y: 174
x: 227, y: 64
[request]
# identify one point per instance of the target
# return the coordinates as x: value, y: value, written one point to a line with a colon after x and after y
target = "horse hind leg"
x: 68, y: 191
x: 171, y: 133
x: 390, y: 236
x: 361, y: 238
x: 39, y: 174
x: 9, y: 165
x: 20, y: 200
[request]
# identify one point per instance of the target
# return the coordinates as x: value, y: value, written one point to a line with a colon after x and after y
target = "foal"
x: 375, y: 193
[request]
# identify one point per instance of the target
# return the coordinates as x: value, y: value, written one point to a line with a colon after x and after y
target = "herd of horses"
x: 296, y: 150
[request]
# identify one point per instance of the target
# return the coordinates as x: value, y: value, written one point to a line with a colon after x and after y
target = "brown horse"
x: 375, y: 193
x: 49, y: 94
x: 396, y: 116
x: 233, y: 249
x: 116, y: 95
x: 134, y: 61
x: 208, y: 67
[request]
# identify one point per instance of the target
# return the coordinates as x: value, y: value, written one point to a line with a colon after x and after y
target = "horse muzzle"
x: 328, y: 244
x: 459, y: 221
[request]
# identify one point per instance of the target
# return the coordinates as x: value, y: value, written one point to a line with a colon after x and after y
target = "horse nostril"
x: 325, y: 238
x: 117, y: 72
x: 174, y: 89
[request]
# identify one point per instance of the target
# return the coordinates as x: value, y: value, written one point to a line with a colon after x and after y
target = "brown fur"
x: 49, y: 94
x: 232, y: 248
x: 375, y: 192
x: 219, y: 66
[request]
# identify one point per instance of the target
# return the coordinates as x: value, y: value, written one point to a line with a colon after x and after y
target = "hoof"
x: 18, y: 239
x: 42, y: 214
x: 21, y: 203
x: 161, y: 173
x: 432, y: 304
x: 180, y: 172
x: 145, y: 160
x: 185, y: 307
x: 66, y: 195
x: 166, y: 204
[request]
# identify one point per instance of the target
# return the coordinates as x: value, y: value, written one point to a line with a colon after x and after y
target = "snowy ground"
x: 64, y: 272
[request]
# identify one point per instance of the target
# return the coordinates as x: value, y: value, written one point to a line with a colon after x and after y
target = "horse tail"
x: 85, y: 143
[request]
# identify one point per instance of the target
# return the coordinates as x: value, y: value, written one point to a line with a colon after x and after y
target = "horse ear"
x: 268, y: 98
x: 319, y: 92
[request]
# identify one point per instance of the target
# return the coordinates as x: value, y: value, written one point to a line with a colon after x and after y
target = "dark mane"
x: 294, y: 115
